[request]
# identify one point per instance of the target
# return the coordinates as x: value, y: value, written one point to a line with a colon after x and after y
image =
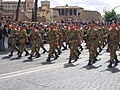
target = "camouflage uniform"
x: 12, y: 39
x: 52, y: 44
x: 113, y: 42
x: 92, y: 40
x: 42, y: 32
x: 59, y: 40
x: 36, y: 42
x: 80, y: 38
x: 22, y: 36
x: 100, y: 38
x: 73, y: 45
x: 65, y: 38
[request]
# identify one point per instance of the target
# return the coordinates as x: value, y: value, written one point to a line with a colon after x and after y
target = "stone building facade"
x: 45, y: 13
x: 92, y: 15
x: 66, y: 12
x: 9, y: 8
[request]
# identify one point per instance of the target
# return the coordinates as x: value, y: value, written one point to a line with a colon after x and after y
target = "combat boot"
x: 110, y: 65
x: 103, y: 46
x: 79, y: 52
x: 64, y: 48
x: 59, y: 52
x: 20, y: 55
x: 44, y: 49
x: 97, y: 53
x: 11, y: 54
x: 94, y: 61
x: 76, y: 58
x: 56, y: 56
x: 30, y: 58
x: 69, y: 61
x: 18, y: 52
x: 38, y: 55
x: 100, y: 50
x: 81, y: 49
x: 89, y: 63
x: 116, y: 63
x: 48, y: 59
x: 27, y: 53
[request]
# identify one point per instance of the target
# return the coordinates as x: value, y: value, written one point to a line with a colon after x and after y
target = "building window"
x: 75, y: 12
x: 79, y: 14
x: 27, y: 5
x: 70, y: 11
x: 62, y: 11
x: 59, y: 11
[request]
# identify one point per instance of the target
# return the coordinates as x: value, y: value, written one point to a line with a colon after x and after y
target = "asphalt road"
x: 58, y: 75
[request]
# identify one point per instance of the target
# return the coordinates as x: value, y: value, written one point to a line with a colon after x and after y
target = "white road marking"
x: 28, y: 71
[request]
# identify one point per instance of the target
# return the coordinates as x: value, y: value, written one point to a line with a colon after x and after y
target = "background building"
x: 92, y: 15
x: 9, y: 8
x: 45, y: 13
x: 63, y: 13
x: 67, y: 13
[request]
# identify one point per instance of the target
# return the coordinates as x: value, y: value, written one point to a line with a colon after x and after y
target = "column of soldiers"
x: 61, y: 37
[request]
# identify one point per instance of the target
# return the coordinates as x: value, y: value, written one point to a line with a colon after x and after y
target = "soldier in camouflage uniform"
x: 52, y: 44
x: 59, y: 40
x: 100, y: 39
x: 12, y: 39
x: 22, y: 37
x: 36, y: 42
x: 80, y: 37
x: 73, y: 45
x: 113, y: 42
x: 64, y: 32
x: 42, y: 32
x: 92, y: 40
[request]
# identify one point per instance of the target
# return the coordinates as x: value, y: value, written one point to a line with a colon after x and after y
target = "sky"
x: 96, y: 5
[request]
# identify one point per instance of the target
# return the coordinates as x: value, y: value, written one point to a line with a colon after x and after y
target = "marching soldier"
x: 12, y: 39
x: 92, y: 40
x: 113, y: 42
x: 36, y: 42
x: 73, y: 45
x: 22, y: 37
x: 59, y: 40
x: 64, y: 32
x: 42, y: 32
x: 52, y: 44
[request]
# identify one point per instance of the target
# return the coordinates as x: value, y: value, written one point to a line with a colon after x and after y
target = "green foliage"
x: 110, y: 16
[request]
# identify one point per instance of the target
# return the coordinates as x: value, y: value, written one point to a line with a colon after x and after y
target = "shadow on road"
x: 113, y: 70
x: 6, y: 57
x: 70, y: 65
x: 16, y: 58
x: 45, y: 63
x: 91, y: 67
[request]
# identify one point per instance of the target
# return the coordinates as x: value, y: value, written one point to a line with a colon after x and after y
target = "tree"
x: 110, y: 16
x: 17, y: 10
x: 36, y: 6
